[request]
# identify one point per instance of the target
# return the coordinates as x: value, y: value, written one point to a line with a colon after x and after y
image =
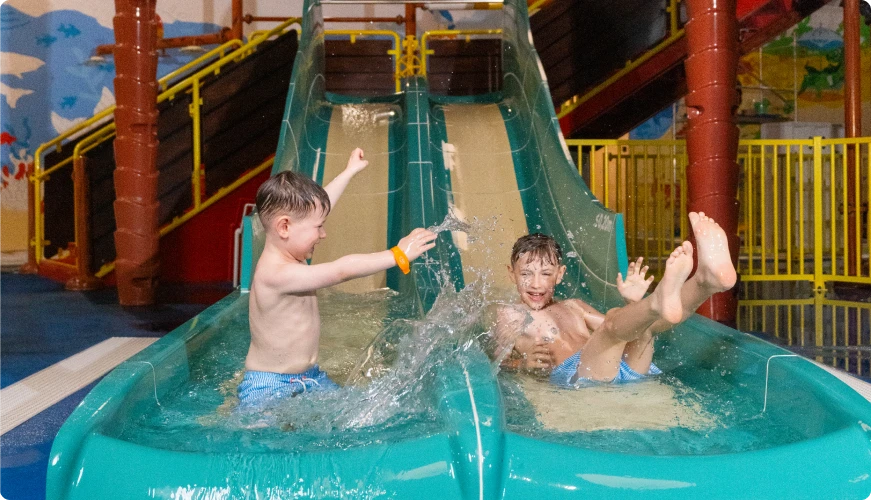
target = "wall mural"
x: 797, y: 76
x: 50, y: 83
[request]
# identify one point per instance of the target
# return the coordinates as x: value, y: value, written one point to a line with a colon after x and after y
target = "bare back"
x: 285, y: 327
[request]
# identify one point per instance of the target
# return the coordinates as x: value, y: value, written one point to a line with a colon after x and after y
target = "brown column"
x: 712, y: 137
x: 852, y: 118
x: 236, y: 22
x: 410, y: 19
x: 136, y: 236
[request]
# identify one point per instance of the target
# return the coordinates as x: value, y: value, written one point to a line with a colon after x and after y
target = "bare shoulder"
x: 575, y: 307
x: 579, y: 305
x: 272, y: 271
x: 511, y: 314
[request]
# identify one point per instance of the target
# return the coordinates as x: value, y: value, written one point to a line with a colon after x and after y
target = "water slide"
x: 423, y: 414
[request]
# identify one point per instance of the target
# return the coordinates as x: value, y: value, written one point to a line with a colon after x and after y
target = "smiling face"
x: 300, y: 236
x: 536, y: 279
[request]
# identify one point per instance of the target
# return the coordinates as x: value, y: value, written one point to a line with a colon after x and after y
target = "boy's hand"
x: 536, y: 353
x: 635, y: 285
x: 356, y: 163
x: 417, y: 242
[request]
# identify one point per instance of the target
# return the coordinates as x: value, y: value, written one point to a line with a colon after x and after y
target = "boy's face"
x: 300, y: 236
x: 536, y: 280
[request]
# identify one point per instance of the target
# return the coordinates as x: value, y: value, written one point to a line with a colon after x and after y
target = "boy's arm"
x: 337, y: 186
x: 302, y: 278
x: 592, y: 317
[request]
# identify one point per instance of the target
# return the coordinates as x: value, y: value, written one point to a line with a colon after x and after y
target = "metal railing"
x: 425, y: 52
x: 395, y: 51
x: 172, y: 84
x: 803, y: 203
x: 834, y: 332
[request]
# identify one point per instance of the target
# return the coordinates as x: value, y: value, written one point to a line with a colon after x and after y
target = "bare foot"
x: 715, y: 272
x: 667, y: 294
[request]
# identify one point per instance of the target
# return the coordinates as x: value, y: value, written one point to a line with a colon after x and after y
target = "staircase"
x: 612, y: 65
x: 242, y: 102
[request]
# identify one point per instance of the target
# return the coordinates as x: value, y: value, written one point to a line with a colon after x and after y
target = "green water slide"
x: 733, y: 416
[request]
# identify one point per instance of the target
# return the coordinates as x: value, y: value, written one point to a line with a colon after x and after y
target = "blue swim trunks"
x: 259, y: 387
x: 565, y: 375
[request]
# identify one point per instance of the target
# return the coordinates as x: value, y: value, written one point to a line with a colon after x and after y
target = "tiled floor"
x: 42, y: 324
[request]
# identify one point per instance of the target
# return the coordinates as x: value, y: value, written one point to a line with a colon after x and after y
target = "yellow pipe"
x: 196, y: 62
x: 856, y: 220
x: 197, y: 152
x: 775, y: 206
x: 788, y: 217
x: 395, y: 51
x: 801, y: 219
x: 424, y: 52
x: 833, y: 250
x: 819, y: 284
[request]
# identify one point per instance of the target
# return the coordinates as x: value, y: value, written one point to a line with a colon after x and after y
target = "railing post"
x: 31, y: 267
x: 819, y: 283
x: 197, y: 151
x: 84, y: 279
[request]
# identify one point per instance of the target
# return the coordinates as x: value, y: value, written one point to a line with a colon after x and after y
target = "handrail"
x: 395, y: 51
x: 793, y: 197
x: 675, y: 34
x: 424, y: 51
x: 37, y: 240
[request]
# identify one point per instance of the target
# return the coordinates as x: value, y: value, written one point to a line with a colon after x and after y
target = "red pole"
x: 712, y: 136
x: 136, y: 236
x: 852, y: 119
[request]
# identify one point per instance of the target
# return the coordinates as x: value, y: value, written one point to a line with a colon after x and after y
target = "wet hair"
x: 537, y: 246
x: 292, y: 194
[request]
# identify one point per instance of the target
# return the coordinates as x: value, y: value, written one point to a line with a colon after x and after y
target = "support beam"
x: 852, y: 120
x: 136, y: 216
x: 712, y: 136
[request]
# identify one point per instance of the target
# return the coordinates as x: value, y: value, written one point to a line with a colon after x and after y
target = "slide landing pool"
x: 424, y: 414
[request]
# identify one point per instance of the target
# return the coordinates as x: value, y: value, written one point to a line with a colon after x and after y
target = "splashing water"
x: 453, y: 223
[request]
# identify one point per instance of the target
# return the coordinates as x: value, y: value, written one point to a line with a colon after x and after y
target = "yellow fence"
x: 804, y: 203
x: 834, y: 332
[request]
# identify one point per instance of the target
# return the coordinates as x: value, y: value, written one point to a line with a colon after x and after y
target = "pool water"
x: 388, y: 356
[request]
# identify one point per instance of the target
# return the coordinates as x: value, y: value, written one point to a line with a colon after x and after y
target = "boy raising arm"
x: 283, y: 310
x: 582, y: 343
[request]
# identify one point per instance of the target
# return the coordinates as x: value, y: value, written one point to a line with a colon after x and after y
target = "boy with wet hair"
x: 579, y: 343
x: 283, y: 308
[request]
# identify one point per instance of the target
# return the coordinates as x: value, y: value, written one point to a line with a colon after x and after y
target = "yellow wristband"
x: 401, y: 260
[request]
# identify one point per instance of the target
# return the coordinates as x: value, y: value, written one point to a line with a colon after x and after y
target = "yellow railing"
x: 831, y: 328
x: 190, y: 84
x: 644, y: 180
x: 395, y: 51
x: 468, y: 34
x: 676, y: 32
x: 796, y: 223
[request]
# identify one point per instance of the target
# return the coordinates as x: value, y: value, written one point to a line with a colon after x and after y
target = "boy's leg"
x: 715, y: 272
x: 638, y: 354
x: 601, y: 356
